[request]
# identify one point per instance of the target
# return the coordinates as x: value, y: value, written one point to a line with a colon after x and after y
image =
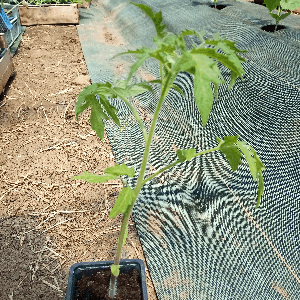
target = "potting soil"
x: 201, y: 236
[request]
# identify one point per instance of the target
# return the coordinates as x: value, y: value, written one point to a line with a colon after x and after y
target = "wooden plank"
x: 49, y: 14
x: 6, y: 69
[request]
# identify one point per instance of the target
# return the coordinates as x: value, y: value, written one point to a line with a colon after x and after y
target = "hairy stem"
x: 279, y: 11
x: 113, y: 279
x: 166, y: 87
x: 138, y: 118
x: 175, y: 163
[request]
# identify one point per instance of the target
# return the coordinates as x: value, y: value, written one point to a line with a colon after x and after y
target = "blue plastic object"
x: 89, y: 268
x: 4, y: 21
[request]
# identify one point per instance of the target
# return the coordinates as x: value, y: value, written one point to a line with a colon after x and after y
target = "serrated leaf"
x: 255, y: 165
x: 231, y: 59
x: 115, y: 270
x: 92, y: 178
x: 124, y: 200
x: 86, y: 91
x: 253, y: 160
x: 230, y: 148
x: 260, y: 189
x: 185, y: 63
x: 284, y: 4
x: 185, y: 154
x: 111, y: 173
x: 88, y: 95
x: 206, y: 71
x: 199, y: 34
x: 156, y: 18
x: 118, y: 170
x: 142, y: 57
x: 111, y: 110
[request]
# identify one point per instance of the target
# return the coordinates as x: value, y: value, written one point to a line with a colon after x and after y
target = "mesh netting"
x: 4, y: 21
x: 201, y: 236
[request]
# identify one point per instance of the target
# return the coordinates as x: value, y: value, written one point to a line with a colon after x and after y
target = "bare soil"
x: 48, y: 221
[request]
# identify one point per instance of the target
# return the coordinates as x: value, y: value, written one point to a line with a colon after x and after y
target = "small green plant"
x: 280, y: 5
x: 173, y: 56
x: 215, y: 1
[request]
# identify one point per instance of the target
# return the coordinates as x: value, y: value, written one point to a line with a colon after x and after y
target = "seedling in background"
x: 280, y: 5
x: 173, y: 56
x: 215, y: 1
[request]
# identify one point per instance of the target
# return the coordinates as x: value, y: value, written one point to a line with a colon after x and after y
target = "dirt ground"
x: 48, y: 221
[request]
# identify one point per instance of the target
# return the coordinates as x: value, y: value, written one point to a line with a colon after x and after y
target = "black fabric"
x: 198, y: 240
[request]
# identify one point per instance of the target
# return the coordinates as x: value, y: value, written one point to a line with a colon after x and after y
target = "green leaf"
x: 207, y: 71
x: 156, y: 81
x: 281, y: 17
x: 290, y: 4
x: 178, y: 89
x: 256, y: 167
x: 79, y: 106
x: 111, y: 173
x: 185, y: 154
x: 199, y: 34
x: 201, y: 63
x: 272, y: 4
x: 115, y: 270
x: 230, y: 60
x: 230, y: 148
x: 140, y: 88
x: 124, y: 200
x: 88, y: 95
x: 156, y: 18
x: 92, y: 178
x: 143, y: 54
x: 185, y: 63
x: 125, y: 236
x: 284, y: 4
x: 254, y: 162
x: 118, y: 170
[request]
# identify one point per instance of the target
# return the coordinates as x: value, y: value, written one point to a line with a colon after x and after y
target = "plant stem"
x: 113, y: 279
x: 112, y: 286
x: 279, y: 11
x: 165, y: 90
x: 138, y: 118
x: 126, y: 215
x: 175, y: 163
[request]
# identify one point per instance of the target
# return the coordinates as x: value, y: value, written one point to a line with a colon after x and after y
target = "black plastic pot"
x: 90, y: 268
